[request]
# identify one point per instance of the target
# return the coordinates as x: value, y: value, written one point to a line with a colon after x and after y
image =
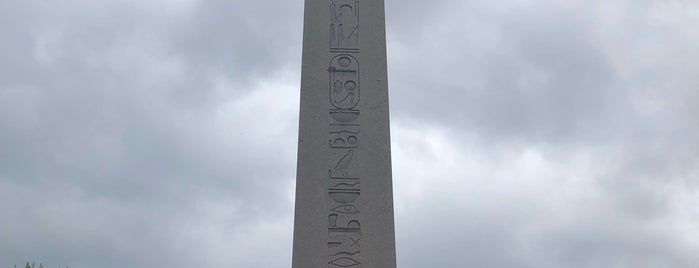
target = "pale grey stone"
x: 344, y: 196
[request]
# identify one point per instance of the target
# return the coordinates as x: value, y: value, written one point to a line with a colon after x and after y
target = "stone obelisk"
x: 344, y: 195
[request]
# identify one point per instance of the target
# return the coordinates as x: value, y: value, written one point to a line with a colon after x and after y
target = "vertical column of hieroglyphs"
x: 343, y: 184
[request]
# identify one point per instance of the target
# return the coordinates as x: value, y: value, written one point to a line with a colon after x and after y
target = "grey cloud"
x: 162, y: 133
x: 115, y: 131
x: 256, y: 37
x: 533, y: 72
x: 526, y: 206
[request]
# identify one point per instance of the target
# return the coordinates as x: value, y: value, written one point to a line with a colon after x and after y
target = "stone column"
x: 344, y: 196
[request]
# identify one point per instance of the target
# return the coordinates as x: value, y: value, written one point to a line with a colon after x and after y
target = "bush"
x: 33, y: 265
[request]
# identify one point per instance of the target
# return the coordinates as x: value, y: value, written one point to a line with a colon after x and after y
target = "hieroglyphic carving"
x: 344, y: 82
x: 355, y: 242
x: 346, y: 209
x: 344, y: 136
x: 345, y: 251
x: 344, y: 29
x: 345, y: 262
x: 344, y: 184
x: 344, y: 196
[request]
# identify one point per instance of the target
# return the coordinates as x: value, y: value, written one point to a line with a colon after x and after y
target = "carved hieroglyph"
x: 344, y: 203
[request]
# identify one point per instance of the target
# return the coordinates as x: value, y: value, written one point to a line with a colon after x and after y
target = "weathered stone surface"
x: 344, y: 196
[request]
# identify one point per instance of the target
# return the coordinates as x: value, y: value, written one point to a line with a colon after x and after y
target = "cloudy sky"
x: 526, y: 134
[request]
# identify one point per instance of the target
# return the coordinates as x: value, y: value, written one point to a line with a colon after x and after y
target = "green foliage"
x: 32, y: 265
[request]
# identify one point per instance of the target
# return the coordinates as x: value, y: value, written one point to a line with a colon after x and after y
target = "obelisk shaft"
x: 344, y: 196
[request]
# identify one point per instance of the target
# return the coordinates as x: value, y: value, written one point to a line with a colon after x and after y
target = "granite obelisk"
x: 344, y: 195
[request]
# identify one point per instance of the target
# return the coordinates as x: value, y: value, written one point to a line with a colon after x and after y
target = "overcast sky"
x: 525, y: 134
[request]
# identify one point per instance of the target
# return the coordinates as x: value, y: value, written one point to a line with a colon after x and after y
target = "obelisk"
x: 344, y: 195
